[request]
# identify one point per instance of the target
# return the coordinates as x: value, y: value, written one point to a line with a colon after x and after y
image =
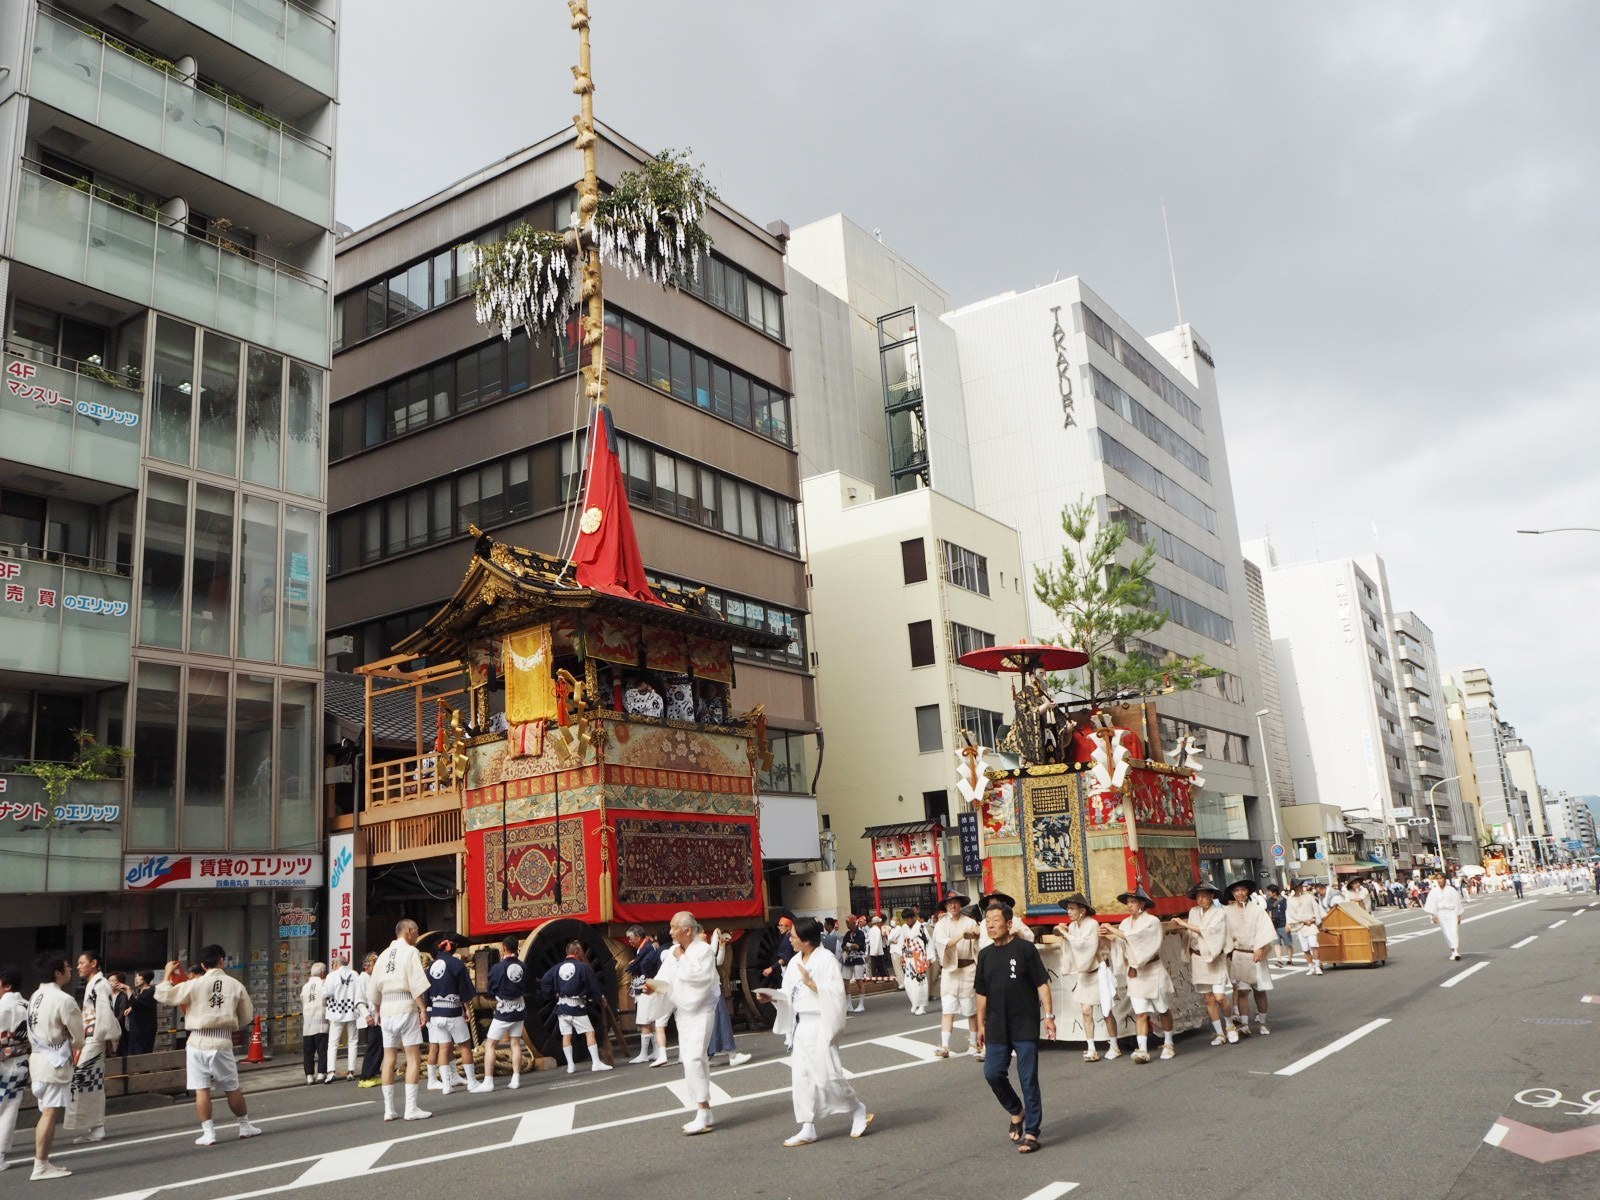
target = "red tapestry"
x: 614, y: 641
x: 524, y: 858
x: 710, y: 866
x: 711, y: 659
x: 664, y: 650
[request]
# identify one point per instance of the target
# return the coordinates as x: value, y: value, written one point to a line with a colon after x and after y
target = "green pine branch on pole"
x: 1103, y: 605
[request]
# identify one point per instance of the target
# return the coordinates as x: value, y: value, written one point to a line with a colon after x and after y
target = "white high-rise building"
x: 1065, y: 400
x: 1500, y: 762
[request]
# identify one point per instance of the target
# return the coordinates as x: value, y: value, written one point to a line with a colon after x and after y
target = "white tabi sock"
x: 209, y: 1128
x: 411, y: 1097
x: 447, y: 1075
x: 433, y: 1073
x: 1217, y: 1025
x: 944, y: 1038
x: 567, y: 1050
x: 594, y: 1053
x: 1089, y: 1045
x: 1144, y: 1042
x: 388, y: 1099
x: 472, y: 1074
x: 1166, y: 1036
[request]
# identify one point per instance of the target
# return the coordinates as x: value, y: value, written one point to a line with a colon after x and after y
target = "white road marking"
x: 680, y: 1089
x: 1334, y: 1047
x: 908, y: 1046
x: 1051, y: 1191
x: 118, y: 1143
x: 1524, y: 941
x: 1496, y: 1135
x: 1455, y: 979
x: 343, y: 1164
x: 545, y: 1123
x: 1559, y: 923
x: 527, y: 1119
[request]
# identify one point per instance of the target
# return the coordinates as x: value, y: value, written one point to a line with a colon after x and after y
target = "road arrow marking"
x: 1541, y: 1145
x: 545, y: 1123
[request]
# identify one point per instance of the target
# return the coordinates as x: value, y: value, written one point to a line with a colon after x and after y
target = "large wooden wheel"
x: 543, y: 949
x: 752, y: 954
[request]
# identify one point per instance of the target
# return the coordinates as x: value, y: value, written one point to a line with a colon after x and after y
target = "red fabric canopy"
x: 1022, y: 657
x: 606, y: 557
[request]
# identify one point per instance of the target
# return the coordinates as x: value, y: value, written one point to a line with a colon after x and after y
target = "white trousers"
x: 348, y: 1030
x: 820, y: 1086
x: 694, y: 1036
x: 9, y: 1107
x: 1450, y: 926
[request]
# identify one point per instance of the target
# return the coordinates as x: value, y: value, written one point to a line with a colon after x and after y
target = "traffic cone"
x: 255, y: 1054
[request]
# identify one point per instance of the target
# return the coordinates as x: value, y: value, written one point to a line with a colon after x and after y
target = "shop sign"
x: 341, y: 894
x: 218, y: 872
x: 16, y: 592
x: 18, y: 383
x: 296, y: 921
x: 65, y: 814
x: 903, y: 868
x: 971, y: 846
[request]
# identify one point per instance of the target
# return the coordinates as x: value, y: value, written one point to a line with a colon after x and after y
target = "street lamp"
x: 850, y: 872
x: 1272, y: 799
x: 1438, y: 843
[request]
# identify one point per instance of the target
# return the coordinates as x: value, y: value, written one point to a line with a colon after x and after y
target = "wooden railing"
x: 420, y: 836
x: 404, y: 779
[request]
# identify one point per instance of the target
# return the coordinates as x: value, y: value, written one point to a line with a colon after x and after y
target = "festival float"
x: 588, y: 770
x: 1089, y: 808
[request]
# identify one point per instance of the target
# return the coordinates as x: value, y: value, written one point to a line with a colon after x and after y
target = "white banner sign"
x: 341, y: 895
x: 208, y: 872
x: 904, y: 868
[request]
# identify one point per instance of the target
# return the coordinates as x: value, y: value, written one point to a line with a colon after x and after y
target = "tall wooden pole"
x: 593, y: 320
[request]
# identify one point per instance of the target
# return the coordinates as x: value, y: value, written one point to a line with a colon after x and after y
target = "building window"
x: 1140, y: 367
x: 936, y: 806
x: 742, y: 296
x: 1152, y: 426
x: 921, y: 635
x: 913, y: 561
x: 964, y: 638
x: 1183, y: 611
x: 965, y: 569
x: 930, y: 739
x: 788, y: 772
x: 1124, y: 461
x: 1216, y: 744
x: 987, y: 728
x: 1174, y: 549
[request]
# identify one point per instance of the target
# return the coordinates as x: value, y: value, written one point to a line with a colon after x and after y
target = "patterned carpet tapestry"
x: 685, y: 862
x: 524, y: 857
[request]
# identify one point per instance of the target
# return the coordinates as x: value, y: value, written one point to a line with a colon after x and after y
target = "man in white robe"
x: 55, y: 1031
x: 1443, y: 905
x: 690, y: 979
x: 399, y: 991
x: 912, y: 957
x: 13, y: 1055
x: 1250, y: 937
x: 1087, y: 950
x: 1207, y: 930
x: 101, y: 1033
x: 1149, y: 983
x: 313, y: 1023
x: 341, y: 991
x: 1304, y: 919
x: 955, y: 948
x: 814, y: 987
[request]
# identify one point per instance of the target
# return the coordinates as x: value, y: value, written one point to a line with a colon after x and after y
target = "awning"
x: 901, y: 829
x: 1357, y: 868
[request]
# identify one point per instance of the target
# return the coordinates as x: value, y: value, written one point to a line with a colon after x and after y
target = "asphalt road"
x: 1497, y: 1047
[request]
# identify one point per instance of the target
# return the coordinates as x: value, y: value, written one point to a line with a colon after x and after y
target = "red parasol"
x: 1023, y: 657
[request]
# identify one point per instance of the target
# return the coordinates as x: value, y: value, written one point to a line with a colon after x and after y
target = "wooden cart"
x: 1351, y: 935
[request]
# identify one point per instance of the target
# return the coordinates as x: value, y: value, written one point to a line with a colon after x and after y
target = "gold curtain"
x: 530, y: 682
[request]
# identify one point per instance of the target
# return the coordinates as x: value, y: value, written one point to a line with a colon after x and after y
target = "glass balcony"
x: 73, y: 417
x: 82, y: 73
x: 83, y: 235
x: 280, y: 32
x: 72, y: 846
x: 57, y: 619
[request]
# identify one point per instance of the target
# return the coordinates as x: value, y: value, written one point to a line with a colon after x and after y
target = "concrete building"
x: 1347, y: 739
x: 902, y: 585
x: 1571, y: 825
x: 1065, y: 400
x: 439, y: 424
x: 1504, y: 800
x: 1430, y: 751
x: 166, y: 216
x: 1269, y: 718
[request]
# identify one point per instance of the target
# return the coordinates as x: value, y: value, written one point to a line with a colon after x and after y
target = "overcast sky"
x: 1383, y: 218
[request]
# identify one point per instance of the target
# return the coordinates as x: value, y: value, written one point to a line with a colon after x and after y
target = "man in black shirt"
x: 1013, y: 989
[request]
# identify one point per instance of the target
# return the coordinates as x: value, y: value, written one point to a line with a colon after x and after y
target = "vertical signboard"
x: 341, y: 895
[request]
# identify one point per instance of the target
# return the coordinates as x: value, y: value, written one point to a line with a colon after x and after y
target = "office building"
x: 903, y: 585
x: 1486, y: 748
x: 439, y: 424
x: 167, y: 214
x: 1430, y: 751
